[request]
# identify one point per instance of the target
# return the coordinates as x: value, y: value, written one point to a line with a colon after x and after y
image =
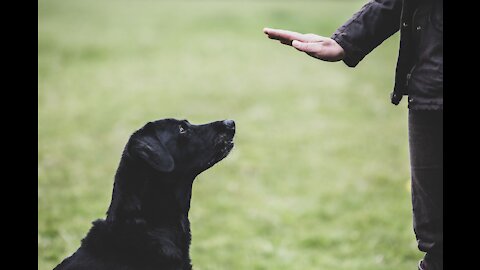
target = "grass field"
x: 319, y: 175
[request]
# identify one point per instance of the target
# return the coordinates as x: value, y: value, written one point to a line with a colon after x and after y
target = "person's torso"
x: 424, y: 72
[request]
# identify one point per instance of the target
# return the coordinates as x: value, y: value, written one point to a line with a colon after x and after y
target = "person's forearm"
x: 368, y: 28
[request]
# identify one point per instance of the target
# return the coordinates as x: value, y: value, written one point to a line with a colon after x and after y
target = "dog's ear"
x: 151, y: 150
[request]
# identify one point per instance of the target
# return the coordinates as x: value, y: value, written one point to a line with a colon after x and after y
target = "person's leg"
x: 426, y: 159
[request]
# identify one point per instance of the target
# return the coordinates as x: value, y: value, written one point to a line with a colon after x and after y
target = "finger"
x: 283, y: 41
x: 312, y: 38
x: 282, y: 34
x: 286, y: 42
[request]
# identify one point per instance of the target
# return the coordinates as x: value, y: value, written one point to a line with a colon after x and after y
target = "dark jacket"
x: 419, y: 72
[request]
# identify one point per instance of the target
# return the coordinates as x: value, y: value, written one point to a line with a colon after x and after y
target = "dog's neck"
x: 138, y: 197
x: 144, y: 208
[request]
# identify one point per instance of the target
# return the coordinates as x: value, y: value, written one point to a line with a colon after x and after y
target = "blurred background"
x: 319, y: 176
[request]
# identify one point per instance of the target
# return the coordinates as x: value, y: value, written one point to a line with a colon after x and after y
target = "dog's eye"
x: 182, y: 130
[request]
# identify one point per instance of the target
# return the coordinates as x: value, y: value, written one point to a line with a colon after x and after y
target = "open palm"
x: 323, y: 48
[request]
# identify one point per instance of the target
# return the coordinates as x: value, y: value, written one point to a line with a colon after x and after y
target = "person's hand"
x: 323, y: 48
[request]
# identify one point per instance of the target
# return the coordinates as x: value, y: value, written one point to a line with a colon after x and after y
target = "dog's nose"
x: 229, y: 124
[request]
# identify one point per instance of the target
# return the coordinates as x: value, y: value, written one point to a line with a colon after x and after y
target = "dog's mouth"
x: 227, y: 146
x: 223, y: 145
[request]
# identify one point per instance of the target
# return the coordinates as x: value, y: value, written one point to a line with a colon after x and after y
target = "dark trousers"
x: 425, y: 130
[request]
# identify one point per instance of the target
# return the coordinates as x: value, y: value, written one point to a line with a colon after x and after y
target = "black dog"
x: 147, y: 224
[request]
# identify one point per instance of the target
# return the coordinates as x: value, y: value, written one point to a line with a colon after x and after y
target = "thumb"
x: 308, y: 47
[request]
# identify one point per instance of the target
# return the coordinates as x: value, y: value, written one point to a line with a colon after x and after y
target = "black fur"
x: 147, y: 224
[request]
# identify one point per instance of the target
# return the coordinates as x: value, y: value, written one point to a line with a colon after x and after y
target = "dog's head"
x: 171, y: 146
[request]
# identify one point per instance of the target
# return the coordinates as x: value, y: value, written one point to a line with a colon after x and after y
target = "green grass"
x: 319, y: 174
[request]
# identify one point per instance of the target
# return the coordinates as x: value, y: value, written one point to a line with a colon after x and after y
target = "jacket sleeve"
x: 369, y: 27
